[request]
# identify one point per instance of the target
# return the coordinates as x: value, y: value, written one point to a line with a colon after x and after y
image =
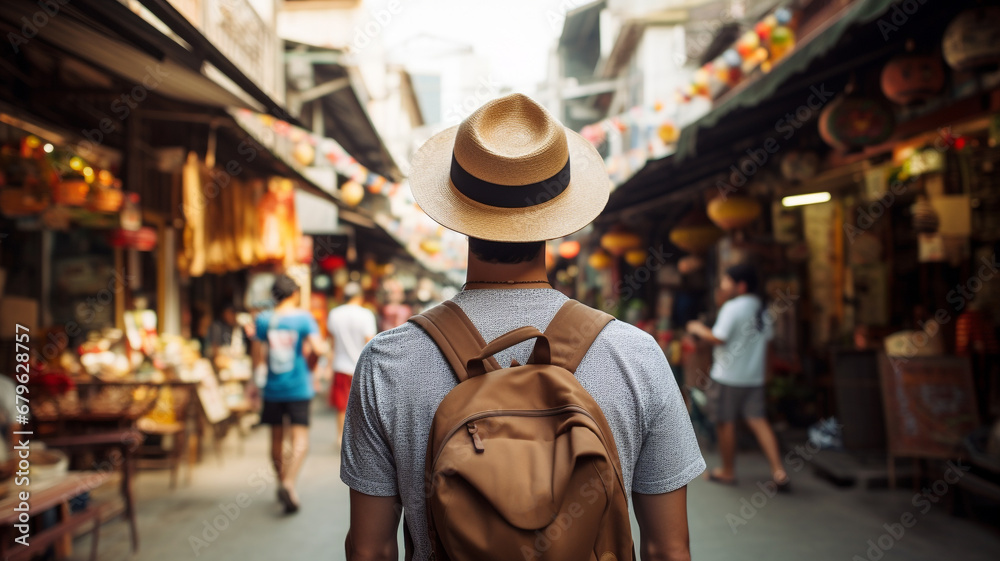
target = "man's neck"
x: 356, y: 301
x: 285, y: 305
x: 529, y: 274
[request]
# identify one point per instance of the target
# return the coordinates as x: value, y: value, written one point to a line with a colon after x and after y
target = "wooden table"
x: 126, y: 442
x: 46, y: 495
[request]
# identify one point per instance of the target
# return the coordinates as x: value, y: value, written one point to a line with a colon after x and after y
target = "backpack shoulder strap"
x: 572, y: 331
x: 455, y: 335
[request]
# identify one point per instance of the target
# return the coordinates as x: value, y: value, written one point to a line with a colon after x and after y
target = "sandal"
x: 285, y: 497
x: 720, y: 480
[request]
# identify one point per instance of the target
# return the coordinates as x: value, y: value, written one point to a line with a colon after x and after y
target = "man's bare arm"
x: 374, y: 522
x: 663, y: 526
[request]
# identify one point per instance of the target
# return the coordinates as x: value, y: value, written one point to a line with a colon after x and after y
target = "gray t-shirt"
x: 402, y: 377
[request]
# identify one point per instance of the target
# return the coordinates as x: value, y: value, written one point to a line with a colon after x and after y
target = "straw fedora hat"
x: 511, y: 173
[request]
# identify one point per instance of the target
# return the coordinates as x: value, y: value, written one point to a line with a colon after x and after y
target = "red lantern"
x: 854, y: 122
x: 912, y: 78
x: 332, y: 263
x: 569, y: 249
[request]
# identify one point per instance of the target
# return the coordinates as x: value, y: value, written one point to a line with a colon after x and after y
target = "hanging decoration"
x: 351, y: 192
x: 569, y: 249
x: 970, y: 40
x: 912, y: 78
x: 851, y: 122
x: 695, y: 233
x: 304, y: 153
x: 303, y: 148
x: 619, y: 240
x: 599, y: 260
x: 636, y: 257
x: 733, y: 213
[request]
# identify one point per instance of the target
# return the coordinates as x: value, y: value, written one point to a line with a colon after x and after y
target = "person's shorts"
x: 340, y: 390
x: 275, y: 412
x: 732, y: 403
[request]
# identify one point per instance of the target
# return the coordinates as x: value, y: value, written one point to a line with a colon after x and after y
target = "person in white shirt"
x: 351, y: 326
x: 740, y: 335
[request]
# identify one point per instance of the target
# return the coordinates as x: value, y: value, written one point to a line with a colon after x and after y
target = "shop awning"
x: 751, y: 94
x: 846, y: 42
x: 173, y: 70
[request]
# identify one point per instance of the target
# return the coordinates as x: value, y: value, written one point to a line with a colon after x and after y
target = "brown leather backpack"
x: 521, y: 463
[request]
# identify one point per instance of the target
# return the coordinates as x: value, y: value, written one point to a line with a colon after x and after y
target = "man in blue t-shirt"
x: 291, y: 334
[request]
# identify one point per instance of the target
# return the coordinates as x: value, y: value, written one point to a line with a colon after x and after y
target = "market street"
x: 817, y: 521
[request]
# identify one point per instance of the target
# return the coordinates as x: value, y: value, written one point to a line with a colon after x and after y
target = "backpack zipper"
x: 477, y: 442
x: 470, y: 425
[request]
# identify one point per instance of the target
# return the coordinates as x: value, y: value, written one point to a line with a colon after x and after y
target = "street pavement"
x: 229, y: 511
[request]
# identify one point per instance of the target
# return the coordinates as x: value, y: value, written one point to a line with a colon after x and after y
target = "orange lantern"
x: 304, y: 154
x: 569, y: 249
x: 695, y: 233
x: 733, y: 213
x: 912, y: 78
x: 636, y: 257
x: 620, y: 240
x: 352, y: 192
x: 599, y: 260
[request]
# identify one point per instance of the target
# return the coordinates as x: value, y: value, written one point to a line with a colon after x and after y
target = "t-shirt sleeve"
x: 309, y: 325
x: 262, y: 325
x: 366, y: 460
x: 669, y: 457
x: 726, y: 322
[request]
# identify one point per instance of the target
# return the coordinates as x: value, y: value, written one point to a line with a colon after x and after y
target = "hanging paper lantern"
x: 620, y: 240
x: 569, y: 249
x: 636, y: 257
x: 375, y: 183
x: 970, y: 40
x: 854, y: 122
x: 282, y: 128
x: 763, y: 30
x: 912, y: 78
x: 599, y: 260
x: 782, y: 42
x: 731, y: 57
x: 747, y: 44
x: 783, y: 16
x: 733, y: 213
x: 303, y: 153
x: 668, y: 133
x: 332, y: 263
x: 352, y: 192
x: 695, y: 232
x: 700, y: 83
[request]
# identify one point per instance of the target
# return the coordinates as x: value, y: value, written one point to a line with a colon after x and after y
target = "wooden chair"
x: 170, y: 419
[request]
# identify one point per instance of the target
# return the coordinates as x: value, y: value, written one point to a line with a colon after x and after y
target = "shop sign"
x: 143, y: 239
